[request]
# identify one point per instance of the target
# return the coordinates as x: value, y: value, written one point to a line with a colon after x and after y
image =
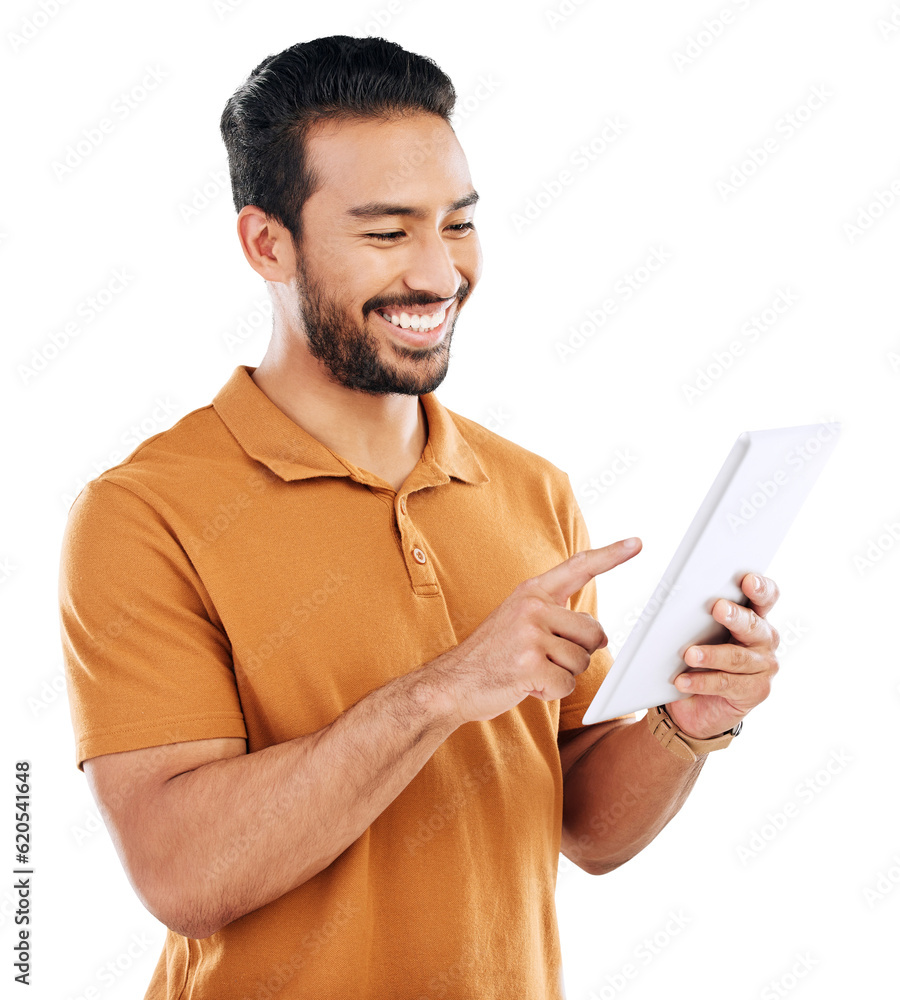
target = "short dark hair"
x: 266, y: 120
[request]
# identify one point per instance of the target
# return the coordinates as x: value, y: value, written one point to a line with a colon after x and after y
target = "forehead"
x: 413, y: 160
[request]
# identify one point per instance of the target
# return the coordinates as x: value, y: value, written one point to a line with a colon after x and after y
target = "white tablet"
x: 737, y: 530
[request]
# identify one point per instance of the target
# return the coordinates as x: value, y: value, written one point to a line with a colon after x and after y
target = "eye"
x: 463, y: 227
x: 387, y: 237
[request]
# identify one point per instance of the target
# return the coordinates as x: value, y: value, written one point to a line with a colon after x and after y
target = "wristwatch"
x: 684, y: 746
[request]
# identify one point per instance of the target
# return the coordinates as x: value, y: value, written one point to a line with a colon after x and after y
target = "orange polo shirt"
x: 235, y: 577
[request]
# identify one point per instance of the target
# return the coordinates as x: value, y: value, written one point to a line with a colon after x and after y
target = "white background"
x: 779, y: 876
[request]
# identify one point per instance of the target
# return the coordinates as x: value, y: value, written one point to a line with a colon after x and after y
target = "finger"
x: 762, y: 591
x: 726, y: 657
x: 570, y: 576
x: 576, y: 626
x: 568, y: 655
x: 745, y: 625
x: 748, y: 689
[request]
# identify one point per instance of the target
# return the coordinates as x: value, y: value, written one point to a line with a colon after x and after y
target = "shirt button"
x: 419, y: 555
x: 403, y: 505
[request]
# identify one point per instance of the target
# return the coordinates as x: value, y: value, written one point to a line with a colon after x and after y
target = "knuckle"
x: 753, y: 621
x: 531, y: 604
x: 776, y: 637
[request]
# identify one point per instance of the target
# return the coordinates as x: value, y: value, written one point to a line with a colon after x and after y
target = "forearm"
x: 618, y: 796
x: 230, y: 836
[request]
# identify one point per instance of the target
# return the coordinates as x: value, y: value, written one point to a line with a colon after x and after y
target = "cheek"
x: 469, y: 260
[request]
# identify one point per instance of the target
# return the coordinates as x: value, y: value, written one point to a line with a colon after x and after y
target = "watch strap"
x: 675, y: 741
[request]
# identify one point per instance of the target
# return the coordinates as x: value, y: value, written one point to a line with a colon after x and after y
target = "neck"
x: 384, y: 434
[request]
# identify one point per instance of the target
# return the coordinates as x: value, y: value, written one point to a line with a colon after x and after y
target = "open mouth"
x: 416, y: 327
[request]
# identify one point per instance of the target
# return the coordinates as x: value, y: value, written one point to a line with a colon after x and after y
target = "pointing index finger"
x: 570, y: 576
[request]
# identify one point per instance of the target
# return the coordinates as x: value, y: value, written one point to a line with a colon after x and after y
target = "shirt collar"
x: 271, y: 437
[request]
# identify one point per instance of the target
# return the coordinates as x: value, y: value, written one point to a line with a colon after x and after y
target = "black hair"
x: 266, y: 120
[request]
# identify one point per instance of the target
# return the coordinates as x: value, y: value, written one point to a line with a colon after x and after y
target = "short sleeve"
x: 147, y: 662
x: 573, y: 707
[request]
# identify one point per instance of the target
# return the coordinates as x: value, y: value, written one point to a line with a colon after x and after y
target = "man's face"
x: 387, y: 234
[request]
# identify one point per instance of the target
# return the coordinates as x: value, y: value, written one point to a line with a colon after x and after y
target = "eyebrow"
x: 380, y: 209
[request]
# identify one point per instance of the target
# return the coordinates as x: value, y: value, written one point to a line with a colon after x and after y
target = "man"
x: 328, y: 643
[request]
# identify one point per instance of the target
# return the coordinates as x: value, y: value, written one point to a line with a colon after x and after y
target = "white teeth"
x: 417, y: 322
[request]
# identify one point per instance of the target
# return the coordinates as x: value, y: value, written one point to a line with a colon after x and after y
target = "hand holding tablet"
x: 738, y: 528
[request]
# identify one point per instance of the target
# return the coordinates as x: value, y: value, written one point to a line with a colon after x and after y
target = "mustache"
x: 422, y: 299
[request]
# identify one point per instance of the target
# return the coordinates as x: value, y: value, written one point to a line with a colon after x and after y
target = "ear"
x: 267, y: 245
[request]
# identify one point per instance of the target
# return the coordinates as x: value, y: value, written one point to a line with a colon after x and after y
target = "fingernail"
x: 630, y: 543
x: 757, y: 582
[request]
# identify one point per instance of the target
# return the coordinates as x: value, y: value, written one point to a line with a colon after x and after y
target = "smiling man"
x: 328, y: 643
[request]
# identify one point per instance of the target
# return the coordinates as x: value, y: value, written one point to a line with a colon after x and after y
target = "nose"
x: 431, y: 267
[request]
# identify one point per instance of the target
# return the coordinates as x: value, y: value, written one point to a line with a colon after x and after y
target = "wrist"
x: 431, y: 691
x: 681, y: 743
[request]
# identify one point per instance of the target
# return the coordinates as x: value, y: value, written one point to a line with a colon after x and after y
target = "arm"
x: 621, y: 787
x: 208, y: 832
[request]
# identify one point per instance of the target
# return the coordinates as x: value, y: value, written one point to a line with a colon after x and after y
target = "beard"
x: 350, y: 353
